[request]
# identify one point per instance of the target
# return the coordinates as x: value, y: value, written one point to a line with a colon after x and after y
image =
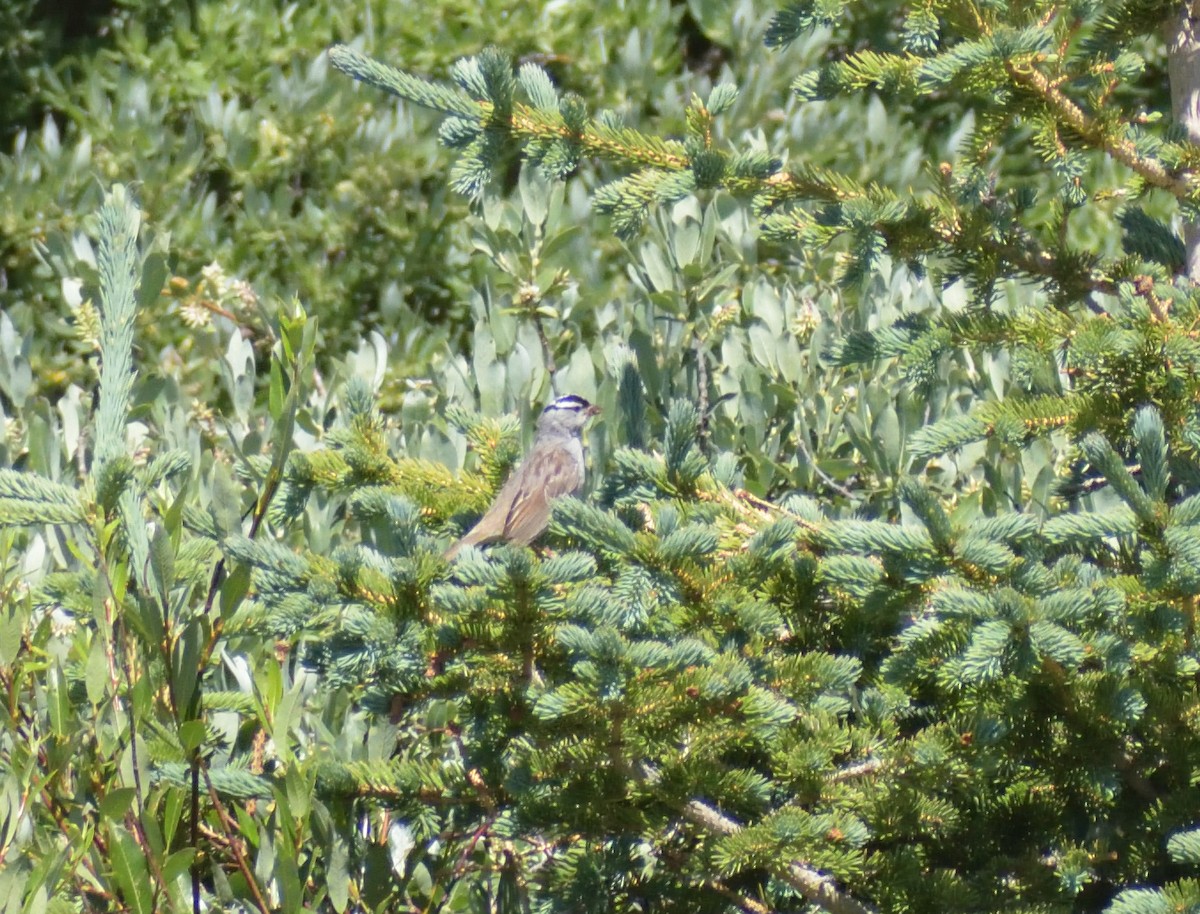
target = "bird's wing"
x: 491, y: 526
x: 553, y: 472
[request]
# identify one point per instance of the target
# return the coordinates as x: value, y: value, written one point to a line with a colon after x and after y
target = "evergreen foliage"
x: 893, y: 613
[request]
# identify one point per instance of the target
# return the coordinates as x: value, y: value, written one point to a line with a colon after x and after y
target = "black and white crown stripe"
x: 570, y: 402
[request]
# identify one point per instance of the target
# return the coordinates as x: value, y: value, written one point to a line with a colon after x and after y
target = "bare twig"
x: 829, y: 481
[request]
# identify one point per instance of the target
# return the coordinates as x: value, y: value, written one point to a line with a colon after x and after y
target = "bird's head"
x: 568, y: 414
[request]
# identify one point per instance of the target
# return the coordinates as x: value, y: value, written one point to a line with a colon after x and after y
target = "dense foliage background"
x: 883, y: 596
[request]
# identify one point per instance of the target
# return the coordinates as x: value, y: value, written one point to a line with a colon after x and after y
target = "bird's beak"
x: 592, y: 410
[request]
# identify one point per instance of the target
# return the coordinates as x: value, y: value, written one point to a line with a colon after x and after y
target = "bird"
x: 553, y: 467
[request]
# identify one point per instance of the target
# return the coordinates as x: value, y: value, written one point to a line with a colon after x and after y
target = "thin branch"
x: 1150, y: 170
x: 814, y: 885
x: 1019, y: 250
x: 829, y: 481
x: 746, y: 903
x: 236, y: 846
x: 861, y: 769
x: 196, y: 762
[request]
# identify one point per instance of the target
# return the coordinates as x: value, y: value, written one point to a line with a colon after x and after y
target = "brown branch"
x: 746, y: 903
x: 750, y: 506
x: 1150, y: 170
x: 236, y: 846
x: 1021, y: 251
x: 814, y: 885
x: 134, y: 824
x: 858, y: 770
x: 1025, y: 255
x: 62, y: 818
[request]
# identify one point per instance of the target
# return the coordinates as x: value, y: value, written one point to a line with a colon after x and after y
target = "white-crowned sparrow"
x: 553, y: 467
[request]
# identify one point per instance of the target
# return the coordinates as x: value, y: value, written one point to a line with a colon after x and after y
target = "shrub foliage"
x: 884, y: 595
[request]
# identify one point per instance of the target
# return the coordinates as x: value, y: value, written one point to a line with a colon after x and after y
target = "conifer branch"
x: 27, y: 498
x: 556, y: 132
x: 746, y: 903
x: 1023, y: 253
x: 812, y: 884
x: 1077, y: 119
x: 532, y: 123
x: 919, y: 229
x: 118, y: 263
x: 397, y: 82
x: 620, y: 143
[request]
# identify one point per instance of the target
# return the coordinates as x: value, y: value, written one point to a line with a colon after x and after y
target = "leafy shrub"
x: 884, y: 598
x: 270, y: 168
